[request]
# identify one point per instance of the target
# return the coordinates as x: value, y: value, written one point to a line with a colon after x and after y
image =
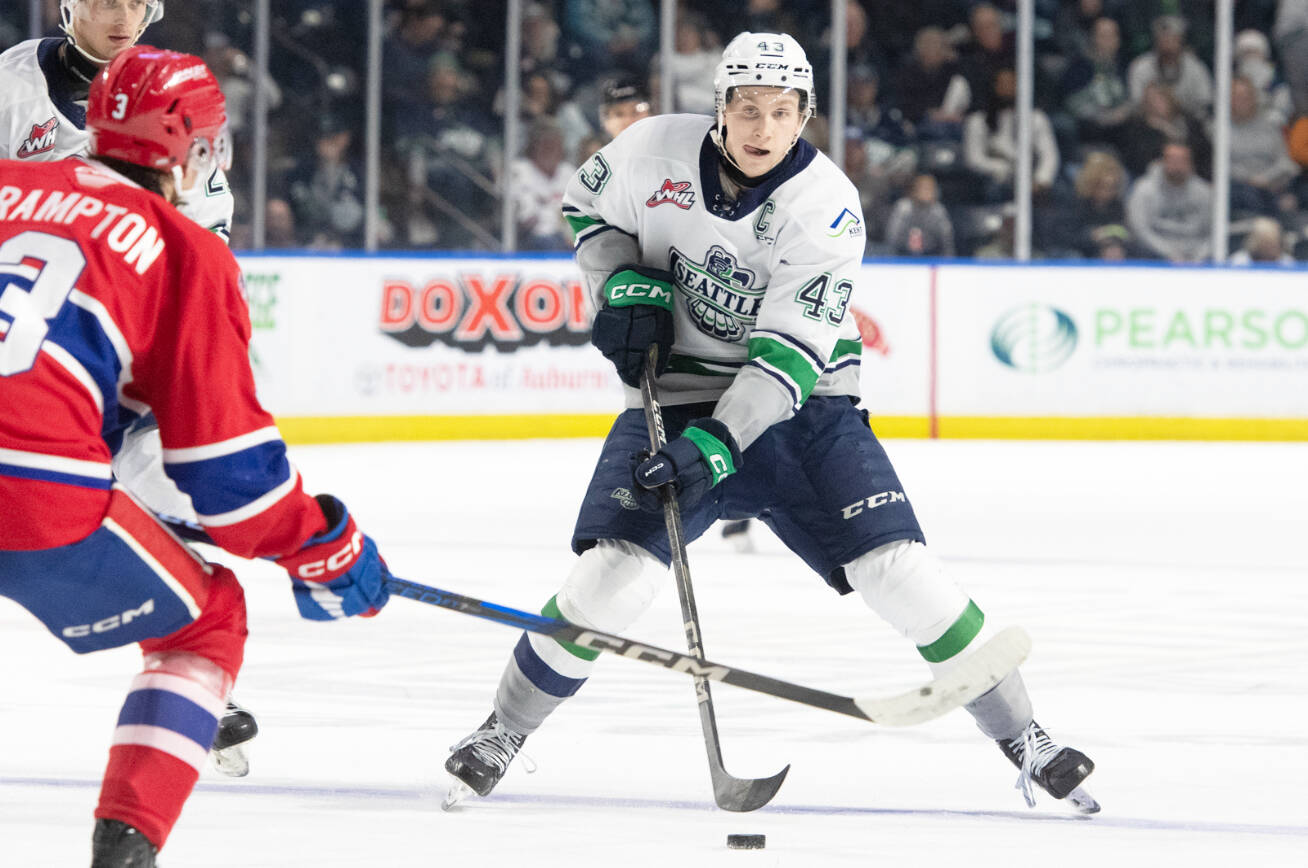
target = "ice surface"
x: 1165, y: 587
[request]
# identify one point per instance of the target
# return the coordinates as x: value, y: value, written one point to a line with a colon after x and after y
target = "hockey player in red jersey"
x: 43, y: 91
x: 114, y: 305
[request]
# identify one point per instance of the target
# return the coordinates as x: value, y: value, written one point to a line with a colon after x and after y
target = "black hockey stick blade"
x: 742, y: 795
x: 981, y: 671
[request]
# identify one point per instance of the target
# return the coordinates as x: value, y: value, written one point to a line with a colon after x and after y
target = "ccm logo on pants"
x: 113, y: 622
x: 873, y: 502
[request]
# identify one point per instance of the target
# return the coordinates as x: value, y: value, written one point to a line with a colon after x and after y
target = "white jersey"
x: 40, y: 119
x: 763, y: 281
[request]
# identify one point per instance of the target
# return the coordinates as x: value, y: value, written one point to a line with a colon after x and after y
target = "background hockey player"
x: 112, y: 306
x: 43, y: 92
x: 623, y: 101
x: 733, y: 246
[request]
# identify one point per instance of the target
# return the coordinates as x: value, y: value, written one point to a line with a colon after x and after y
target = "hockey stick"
x: 978, y: 673
x: 973, y: 677
x: 730, y: 792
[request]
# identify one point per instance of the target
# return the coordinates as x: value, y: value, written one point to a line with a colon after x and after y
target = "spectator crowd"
x: 1122, y: 132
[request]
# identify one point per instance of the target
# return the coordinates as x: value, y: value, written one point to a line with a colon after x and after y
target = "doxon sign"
x: 477, y: 309
x: 1033, y: 338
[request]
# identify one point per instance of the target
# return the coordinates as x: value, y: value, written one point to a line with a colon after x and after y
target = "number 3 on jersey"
x: 37, y: 272
x: 814, y: 297
x: 596, y: 176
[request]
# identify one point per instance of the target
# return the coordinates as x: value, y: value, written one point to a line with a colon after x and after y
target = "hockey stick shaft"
x: 981, y: 671
x: 730, y: 792
x: 988, y: 664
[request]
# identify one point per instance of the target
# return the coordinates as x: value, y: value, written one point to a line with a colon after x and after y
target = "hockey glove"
x: 637, y: 314
x: 338, y: 573
x: 704, y: 455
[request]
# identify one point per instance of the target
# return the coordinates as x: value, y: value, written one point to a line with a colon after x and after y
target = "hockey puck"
x: 746, y: 842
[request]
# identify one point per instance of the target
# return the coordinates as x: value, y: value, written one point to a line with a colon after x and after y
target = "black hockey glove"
x: 637, y: 314
x: 704, y: 455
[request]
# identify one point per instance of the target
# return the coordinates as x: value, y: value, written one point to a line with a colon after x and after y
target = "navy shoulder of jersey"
x: 59, y: 81
x: 799, y: 158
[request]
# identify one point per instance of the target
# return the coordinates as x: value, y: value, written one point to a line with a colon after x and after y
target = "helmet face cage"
x: 763, y: 60
x: 154, y: 11
x: 207, y: 154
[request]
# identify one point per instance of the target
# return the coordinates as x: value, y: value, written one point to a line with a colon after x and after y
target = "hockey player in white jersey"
x: 44, y: 82
x: 733, y: 246
x: 44, y: 85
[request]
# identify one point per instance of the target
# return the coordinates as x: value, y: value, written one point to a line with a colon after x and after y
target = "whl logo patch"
x: 672, y: 192
x: 40, y: 140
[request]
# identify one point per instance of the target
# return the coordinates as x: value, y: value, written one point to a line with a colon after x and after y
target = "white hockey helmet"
x: 154, y: 11
x: 763, y: 60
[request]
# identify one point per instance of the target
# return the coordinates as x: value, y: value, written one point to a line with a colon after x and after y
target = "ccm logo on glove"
x: 334, y: 563
x: 337, y: 573
x: 650, y: 472
x: 639, y: 293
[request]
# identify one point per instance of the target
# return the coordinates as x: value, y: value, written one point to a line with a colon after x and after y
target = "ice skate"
x: 114, y: 844
x: 1058, y: 770
x: 477, y: 763
x: 737, y: 533
x: 235, y: 730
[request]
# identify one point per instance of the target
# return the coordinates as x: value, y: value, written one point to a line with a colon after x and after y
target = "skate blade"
x: 231, y: 761
x: 1082, y: 801
x: 457, y: 792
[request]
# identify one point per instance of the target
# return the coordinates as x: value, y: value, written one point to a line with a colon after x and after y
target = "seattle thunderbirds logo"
x: 720, y: 294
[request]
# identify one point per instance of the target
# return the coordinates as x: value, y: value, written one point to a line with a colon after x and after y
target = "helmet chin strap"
x: 719, y: 133
x: 98, y: 61
x: 720, y: 142
x: 181, y: 193
x: 68, y: 27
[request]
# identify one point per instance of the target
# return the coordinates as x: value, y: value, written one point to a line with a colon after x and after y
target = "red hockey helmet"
x: 157, y: 109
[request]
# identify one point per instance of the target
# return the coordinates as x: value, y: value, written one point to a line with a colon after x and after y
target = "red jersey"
x: 114, y: 305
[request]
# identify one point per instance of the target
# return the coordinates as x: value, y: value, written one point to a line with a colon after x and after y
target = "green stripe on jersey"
x: 551, y: 610
x: 845, y: 349
x: 579, y: 222
x: 957, y: 637
x: 788, y: 361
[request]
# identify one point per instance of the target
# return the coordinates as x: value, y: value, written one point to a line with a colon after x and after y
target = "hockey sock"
x: 609, y: 587
x: 160, y: 743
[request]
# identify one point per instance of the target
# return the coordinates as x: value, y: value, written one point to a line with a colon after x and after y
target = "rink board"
x: 362, y: 348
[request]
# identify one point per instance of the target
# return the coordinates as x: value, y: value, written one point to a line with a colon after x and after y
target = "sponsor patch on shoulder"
x: 846, y: 223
